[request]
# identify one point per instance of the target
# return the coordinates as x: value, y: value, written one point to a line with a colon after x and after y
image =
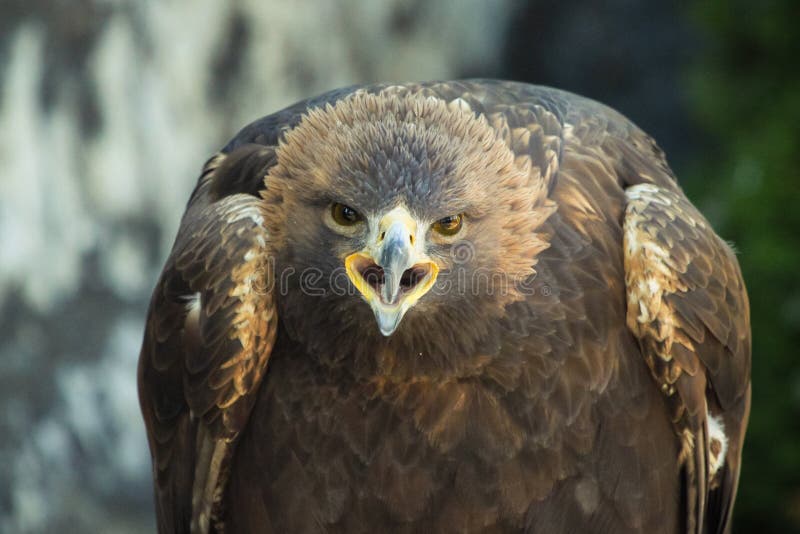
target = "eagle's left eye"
x: 449, y: 225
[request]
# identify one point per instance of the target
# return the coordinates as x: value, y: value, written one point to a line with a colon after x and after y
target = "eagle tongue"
x: 394, y: 260
x: 391, y: 285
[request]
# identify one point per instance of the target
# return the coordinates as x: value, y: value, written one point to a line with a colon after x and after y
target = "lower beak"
x: 391, y: 274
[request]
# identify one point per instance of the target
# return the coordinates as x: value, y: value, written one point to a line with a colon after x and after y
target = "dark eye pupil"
x: 348, y: 213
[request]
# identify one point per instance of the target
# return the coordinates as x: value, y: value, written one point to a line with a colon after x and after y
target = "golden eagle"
x: 471, y: 306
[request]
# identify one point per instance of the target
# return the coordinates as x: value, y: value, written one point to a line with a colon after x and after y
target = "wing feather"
x: 209, y: 333
x: 688, y: 308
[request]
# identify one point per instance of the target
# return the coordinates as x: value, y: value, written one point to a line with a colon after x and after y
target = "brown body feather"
x: 579, y: 401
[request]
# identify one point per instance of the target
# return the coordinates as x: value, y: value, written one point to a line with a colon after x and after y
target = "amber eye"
x: 449, y: 225
x: 344, y: 215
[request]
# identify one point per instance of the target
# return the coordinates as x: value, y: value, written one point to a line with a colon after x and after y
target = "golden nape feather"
x: 469, y: 306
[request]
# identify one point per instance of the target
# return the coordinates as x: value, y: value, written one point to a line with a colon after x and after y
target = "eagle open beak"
x: 392, y: 273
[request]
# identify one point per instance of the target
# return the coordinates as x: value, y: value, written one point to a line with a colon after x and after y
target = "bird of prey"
x: 469, y: 306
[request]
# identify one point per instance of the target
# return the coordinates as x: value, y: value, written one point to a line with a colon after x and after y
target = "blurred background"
x: 108, y: 108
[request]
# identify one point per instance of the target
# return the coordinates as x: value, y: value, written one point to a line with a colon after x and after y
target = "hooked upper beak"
x: 392, y: 273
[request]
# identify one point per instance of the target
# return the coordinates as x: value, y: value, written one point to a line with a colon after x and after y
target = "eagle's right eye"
x: 344, y: 215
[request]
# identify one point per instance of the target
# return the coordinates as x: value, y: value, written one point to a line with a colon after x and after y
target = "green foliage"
x: 745, y: 90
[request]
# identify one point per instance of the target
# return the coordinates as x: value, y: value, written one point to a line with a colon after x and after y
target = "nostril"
x: 383, y: 235
x: 411, y: 238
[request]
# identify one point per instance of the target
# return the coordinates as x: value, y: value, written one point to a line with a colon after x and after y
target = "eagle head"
x: 406, y: 205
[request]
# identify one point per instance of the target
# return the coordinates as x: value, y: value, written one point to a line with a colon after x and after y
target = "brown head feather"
x: 374, y: 151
